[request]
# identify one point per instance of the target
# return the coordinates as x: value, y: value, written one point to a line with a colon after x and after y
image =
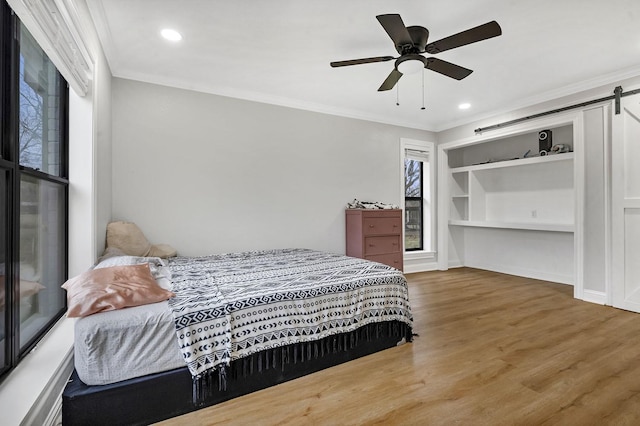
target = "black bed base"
x: 156, y: 397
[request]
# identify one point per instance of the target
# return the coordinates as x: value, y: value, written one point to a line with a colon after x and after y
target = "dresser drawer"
x: 381, y: 225
x: 375, y: 235
x: 393, y: 259
x: 381, y: 245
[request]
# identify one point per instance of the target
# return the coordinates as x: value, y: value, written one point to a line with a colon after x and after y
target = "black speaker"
x: 544, y: 141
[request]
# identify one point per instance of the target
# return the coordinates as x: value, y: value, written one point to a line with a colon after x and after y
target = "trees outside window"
x: 413, y: 203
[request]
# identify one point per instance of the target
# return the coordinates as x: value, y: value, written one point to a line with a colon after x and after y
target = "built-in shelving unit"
x: 528, y: 193
x: 506, y: 209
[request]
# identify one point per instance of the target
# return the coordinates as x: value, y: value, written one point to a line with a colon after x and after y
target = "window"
x: 33, y: 192
x: 413, y: 205
x: 418, y: 187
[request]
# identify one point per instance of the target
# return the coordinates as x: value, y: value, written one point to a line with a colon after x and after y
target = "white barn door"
x: 626, y: 205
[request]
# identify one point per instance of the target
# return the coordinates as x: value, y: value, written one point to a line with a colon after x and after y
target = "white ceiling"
x: 278, y: 51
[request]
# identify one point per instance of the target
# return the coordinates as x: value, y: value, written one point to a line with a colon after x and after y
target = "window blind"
x: 55, y: 26
x: 416, y: 154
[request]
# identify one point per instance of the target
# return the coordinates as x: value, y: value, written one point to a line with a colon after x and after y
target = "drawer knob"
x: 371, y: 245
x: 370, y: 226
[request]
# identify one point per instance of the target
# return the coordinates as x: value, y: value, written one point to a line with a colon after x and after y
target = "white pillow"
x: 129, y: 260
x: 156, y: 264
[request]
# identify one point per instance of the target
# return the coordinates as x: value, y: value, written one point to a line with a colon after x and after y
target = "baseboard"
x: 455, y: 264
x: 593, y: 296
x: 528, y: 273
x: 419, y: 261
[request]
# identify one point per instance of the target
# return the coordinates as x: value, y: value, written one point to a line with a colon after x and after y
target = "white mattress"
x: 119, y: 345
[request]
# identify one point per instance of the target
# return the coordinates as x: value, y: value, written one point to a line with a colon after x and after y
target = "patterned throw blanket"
x: 231, y: 306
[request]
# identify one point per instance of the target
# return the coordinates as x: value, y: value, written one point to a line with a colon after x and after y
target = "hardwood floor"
x: 492, y: 349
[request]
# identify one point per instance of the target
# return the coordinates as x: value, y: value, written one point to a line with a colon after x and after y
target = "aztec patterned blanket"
x: 231, y: 306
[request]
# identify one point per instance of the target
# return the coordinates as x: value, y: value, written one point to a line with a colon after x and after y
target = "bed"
x: 238, y: 323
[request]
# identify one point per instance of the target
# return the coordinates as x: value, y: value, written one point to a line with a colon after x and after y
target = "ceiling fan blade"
x: 447, y: 68
x: 479, y: 33
x: 393, y: 25
x: 361, y: 61
x: 391, y: 80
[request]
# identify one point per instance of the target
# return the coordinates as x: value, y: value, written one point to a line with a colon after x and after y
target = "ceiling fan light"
x: 410, y: 66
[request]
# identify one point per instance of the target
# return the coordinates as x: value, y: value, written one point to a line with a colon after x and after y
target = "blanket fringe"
x: 204, y: 384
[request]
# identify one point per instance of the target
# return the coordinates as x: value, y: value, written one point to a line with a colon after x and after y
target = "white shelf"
x: 518, y: 162
x: 552, y: 227
x: 460, y: 196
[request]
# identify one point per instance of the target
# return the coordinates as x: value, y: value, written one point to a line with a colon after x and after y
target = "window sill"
x: 31, y: 389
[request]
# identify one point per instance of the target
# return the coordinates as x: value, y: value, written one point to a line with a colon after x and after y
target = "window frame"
x: 10, y: 164
x: 428, y: 214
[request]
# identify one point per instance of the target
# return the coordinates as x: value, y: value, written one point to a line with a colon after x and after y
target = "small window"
x: 418, y: 190
x: 413, y: 201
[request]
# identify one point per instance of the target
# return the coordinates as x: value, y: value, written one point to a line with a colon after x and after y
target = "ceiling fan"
x: 410, y: 42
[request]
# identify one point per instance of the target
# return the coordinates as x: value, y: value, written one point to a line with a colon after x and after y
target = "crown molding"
x: 101, y: 23
x: 532, y: 101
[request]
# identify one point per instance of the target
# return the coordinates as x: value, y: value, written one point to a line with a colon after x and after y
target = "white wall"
x: 102, y: 152
x: 210, y: 174
x: 541, y: 255
x: 89, y: 159
x: 596, y: 238
x: 81, y: 184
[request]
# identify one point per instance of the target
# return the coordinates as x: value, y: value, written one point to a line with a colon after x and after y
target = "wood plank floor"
x: 492, y: 349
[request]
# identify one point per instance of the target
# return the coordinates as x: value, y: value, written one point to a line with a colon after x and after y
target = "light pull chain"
x: 422, y: 89
x: 398, y: 94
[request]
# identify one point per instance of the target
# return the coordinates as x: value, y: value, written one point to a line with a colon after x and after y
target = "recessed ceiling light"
x: 465, y: 105
x: 171, y: 35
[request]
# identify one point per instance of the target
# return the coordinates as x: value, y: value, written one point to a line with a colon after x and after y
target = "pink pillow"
x: 117, y: 287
